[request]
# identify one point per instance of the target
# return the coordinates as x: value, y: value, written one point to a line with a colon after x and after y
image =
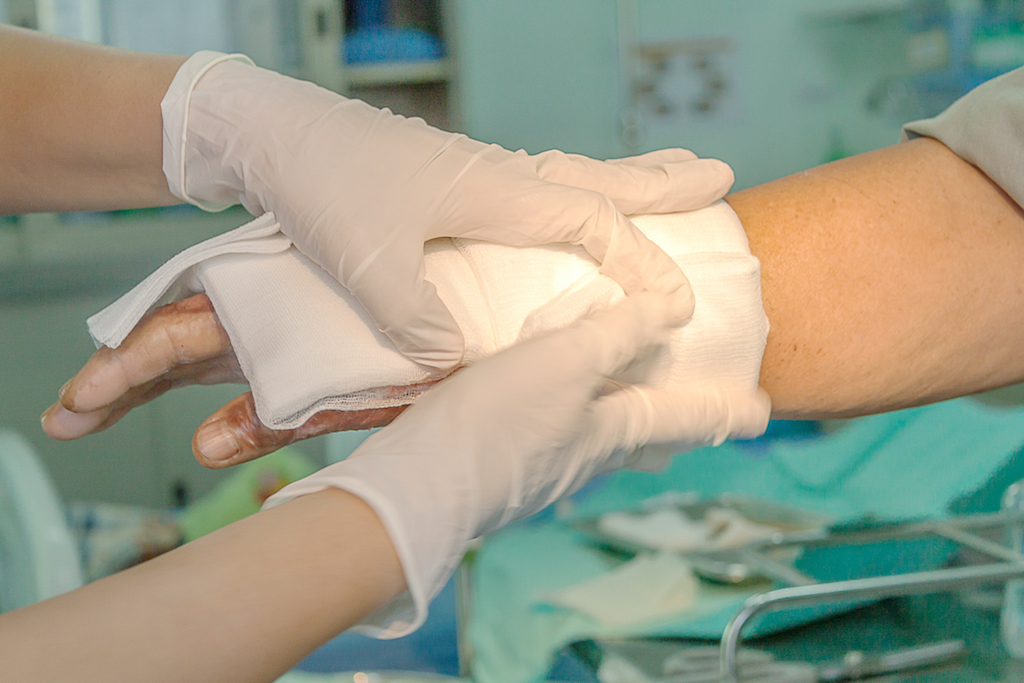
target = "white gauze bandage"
x: 305, y: 344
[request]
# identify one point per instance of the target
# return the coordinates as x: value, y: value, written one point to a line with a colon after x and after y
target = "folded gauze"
x: 306, y: 345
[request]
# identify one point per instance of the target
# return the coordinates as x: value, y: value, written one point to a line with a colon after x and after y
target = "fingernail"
x: 61, y: 423
x: 63, y: 389
x: 216, y: 441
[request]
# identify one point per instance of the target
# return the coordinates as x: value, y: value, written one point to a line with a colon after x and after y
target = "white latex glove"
x: 359, y: 190
x: 504, y: 438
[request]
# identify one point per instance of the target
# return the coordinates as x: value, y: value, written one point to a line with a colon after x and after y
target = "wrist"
x: 428, y: 507
x: 407, y: 610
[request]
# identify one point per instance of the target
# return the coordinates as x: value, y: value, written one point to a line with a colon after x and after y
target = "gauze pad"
x: 305, y: 344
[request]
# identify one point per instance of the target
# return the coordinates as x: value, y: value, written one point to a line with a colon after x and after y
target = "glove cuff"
x: 408, y: 611
x: 175, y: 108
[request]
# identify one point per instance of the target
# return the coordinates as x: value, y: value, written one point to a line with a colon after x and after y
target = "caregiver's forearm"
x: 244, y: 603
x: 891, y: 279
x: 80, y: 124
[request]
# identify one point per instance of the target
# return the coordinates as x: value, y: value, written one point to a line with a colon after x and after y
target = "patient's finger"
x: 234, y: 434
x: 60, y: 423
x: 180, y: 342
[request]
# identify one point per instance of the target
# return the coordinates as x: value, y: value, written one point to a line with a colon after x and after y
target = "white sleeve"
x: 985, y: 127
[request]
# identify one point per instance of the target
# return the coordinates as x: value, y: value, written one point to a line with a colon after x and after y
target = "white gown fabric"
x: 986, y: 128
x: 306, y: 345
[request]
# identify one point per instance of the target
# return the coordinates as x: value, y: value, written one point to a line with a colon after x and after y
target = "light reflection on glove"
x: 504, y: 438
x: 359, y: 190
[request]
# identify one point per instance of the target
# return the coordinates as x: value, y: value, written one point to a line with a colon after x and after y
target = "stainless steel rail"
x: 956, y: 529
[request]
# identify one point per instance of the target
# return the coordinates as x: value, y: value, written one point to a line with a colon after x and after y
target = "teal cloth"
x: 907, y: 464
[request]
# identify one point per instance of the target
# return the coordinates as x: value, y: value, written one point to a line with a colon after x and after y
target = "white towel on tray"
x: 305, y: 344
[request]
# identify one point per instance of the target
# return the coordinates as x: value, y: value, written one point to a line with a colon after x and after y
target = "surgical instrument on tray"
x: 958, y: 529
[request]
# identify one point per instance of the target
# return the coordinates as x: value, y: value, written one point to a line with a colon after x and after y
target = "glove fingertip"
x: 432, y: 347
x: 715, y: 176
x: 681, y: 305
x: 726, y: 172
x: 415, y: 319
x: 657, y: 157
x: 750, y: 415
x: 668, y: 309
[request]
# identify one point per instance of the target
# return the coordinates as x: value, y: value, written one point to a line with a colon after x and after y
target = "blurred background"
x: 770, y: 86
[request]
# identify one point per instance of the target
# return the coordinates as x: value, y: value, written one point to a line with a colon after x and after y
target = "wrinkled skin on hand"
x: 179, y: 345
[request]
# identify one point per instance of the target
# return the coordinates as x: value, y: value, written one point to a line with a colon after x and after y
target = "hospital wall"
x: 800, y: 77
x: 533, y: 74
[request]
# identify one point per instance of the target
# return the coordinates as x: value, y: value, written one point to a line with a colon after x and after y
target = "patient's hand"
x: 886, y: 287
x: 175, y: 346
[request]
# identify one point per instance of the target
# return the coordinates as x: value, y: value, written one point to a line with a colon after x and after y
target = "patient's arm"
x: 890, y: 279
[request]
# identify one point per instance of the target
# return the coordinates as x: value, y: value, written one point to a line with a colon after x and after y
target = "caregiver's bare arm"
x: 80, y: 125
x: 244, y: 603
x: 891, y: 279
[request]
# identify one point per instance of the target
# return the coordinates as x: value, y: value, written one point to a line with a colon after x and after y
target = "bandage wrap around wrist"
x: 306, y: 345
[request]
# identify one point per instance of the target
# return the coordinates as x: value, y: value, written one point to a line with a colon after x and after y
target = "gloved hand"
x: 359, y: 190
x: 502, y: 439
